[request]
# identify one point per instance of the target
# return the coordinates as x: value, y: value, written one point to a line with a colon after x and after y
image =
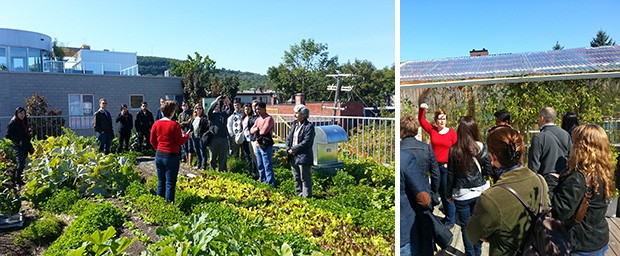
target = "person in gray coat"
x: 549, y: 150
x: 299, y: 148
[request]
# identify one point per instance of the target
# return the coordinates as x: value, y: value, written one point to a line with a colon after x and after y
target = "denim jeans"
x: 448, y: 207
x: 201, y: 153
x: 465, y: 209
x: 167, y: 171
x: 20, y: 157
x: 187, y: 148
x: 105, y: 141
x: 599, y: 252
x: 265, y: 166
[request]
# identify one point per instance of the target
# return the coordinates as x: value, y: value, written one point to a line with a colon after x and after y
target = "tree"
x: 196, y: 73
x: 601, y: 39
x: 557, y: 46
x: 372, y: 85
x: 303, y: 70
x: 58, y: 51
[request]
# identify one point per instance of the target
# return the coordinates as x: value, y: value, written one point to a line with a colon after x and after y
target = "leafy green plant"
x: 236, y: 165
x: 156, y: 210
x: 81, y: 206
x: 97, y: 217
x: 186, y: 201
x: 42, y: 231
x: 70, y: 161
x: 61, y: 201
x: 135, y: 189
x: 101, y: 242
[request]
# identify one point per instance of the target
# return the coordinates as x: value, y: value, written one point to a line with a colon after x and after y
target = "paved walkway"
x: 457, y: 248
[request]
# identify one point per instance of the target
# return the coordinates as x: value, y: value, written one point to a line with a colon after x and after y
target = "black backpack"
x: 546, y: 236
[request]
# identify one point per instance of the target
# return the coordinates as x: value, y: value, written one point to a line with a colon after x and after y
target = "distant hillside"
x: 155, y: 66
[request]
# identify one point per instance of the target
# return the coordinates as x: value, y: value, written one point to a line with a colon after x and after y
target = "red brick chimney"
x: 300, y: 98
x: 474, y: 52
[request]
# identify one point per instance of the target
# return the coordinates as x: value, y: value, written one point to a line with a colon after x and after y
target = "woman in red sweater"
x: 442, y: 138
x: 166, y: 138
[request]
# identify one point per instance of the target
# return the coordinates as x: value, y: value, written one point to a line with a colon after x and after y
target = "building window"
x: 81, y: 111
x: 34, y: 60
x: 3, y: 65
x: 18, y: 59
x: 135, y: 101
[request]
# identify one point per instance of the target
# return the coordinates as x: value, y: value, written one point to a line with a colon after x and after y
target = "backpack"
x: 546, y: 236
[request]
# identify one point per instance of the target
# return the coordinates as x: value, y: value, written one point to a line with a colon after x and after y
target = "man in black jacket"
x: 103, y: 126
x: 218, y: 114
x: 548, y: 155
x: 143, y: 124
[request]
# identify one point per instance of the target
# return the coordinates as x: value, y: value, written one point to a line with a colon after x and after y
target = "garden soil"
x: 146, y: 169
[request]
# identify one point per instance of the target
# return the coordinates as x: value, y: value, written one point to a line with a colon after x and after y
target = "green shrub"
x: 237, y: 165
x: 42, y: 231
x: 79, y: 207
x: 60, y: 202
x: 156, y: 210
x: 135, y: 189
x: 342, y: 180
x: 287, y: 187
x: 97, y: 217
x: 151, y: 185
x: 219, y: 213
x: 279, y: 159
x: 186, y: 201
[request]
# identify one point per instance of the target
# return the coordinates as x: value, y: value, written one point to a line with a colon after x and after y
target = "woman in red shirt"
x: 442, y: 138
x: 166, y: 138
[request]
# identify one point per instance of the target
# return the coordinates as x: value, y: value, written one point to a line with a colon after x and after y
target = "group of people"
x: 457, y: 168
x: 242, y: 130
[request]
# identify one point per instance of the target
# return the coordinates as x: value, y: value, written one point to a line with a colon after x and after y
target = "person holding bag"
x: 590, y: 170
x: 468, y: 163
x: 499, y: 218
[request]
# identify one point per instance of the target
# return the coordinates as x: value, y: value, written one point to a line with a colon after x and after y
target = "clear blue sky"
x: 239, y: 35
x: 440, y: 29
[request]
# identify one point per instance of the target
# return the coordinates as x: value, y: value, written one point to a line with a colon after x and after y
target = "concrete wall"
x: 16, y: 87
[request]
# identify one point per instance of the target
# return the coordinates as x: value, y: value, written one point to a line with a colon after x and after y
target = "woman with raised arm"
x: 442, y: 138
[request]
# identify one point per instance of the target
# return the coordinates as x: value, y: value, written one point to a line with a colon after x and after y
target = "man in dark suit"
x: 103, y: 126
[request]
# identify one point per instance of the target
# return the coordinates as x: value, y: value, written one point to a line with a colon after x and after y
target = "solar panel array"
x: 578, y: 60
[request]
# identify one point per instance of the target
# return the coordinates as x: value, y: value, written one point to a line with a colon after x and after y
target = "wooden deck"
x: 457, y: 248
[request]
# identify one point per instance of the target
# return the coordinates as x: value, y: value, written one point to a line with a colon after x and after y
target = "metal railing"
x: 368, y: 137
x: 372, y: 137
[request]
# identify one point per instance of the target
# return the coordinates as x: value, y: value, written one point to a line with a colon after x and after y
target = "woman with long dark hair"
x: 19, y: 133
x: 468, y: 163
x: 247, y: 121
x: 590, y: 169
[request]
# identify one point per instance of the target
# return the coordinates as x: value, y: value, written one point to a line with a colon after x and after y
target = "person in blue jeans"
x: 263, y: 127
x: 199, y: 125
x: 468, y: 164
x: 167, y: 138
x: 103, y: 126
